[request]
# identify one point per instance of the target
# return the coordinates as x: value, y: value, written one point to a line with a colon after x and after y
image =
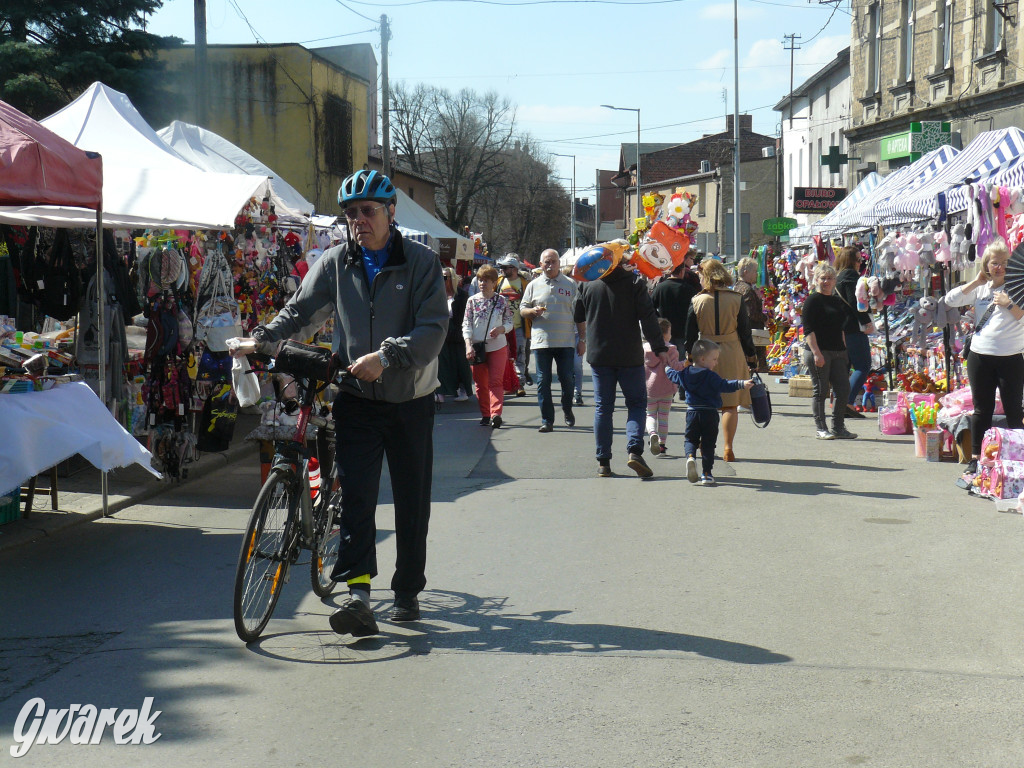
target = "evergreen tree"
x: 52, y: 50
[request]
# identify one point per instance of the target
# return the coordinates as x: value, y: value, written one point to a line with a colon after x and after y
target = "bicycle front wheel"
x: 326, y: 540
x: 265, y: 556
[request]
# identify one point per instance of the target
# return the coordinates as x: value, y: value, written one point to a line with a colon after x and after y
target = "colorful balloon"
x: 594, y: 263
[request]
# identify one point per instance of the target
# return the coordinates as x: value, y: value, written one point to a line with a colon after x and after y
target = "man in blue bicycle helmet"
x: 391, y: 319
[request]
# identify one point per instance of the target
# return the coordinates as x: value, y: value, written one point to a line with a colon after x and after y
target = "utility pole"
x: 737, y: 217
x: 385, y: 35
x: 202, y: 96
x: 792, y: 48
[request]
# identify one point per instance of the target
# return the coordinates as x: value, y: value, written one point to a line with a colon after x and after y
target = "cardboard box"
x: 800, y: 386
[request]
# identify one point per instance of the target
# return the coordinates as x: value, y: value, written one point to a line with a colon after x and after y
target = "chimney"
x: 746, y: 123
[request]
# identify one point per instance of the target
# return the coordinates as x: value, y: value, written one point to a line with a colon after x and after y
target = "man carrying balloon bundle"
x: 615, y: 305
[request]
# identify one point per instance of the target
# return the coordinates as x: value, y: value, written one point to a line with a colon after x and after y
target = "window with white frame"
x: 945, y: 10
x: 907, y: 33
x: 993, y: 28
x: 874, y: 48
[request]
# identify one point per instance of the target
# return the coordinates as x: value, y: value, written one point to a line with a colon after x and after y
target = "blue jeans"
x: 562, y: 357
x: 858, y: 348
x: 633, y: 383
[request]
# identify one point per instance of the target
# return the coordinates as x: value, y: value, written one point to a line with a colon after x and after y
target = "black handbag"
x: 480, y: 347
x: 760, y: 403
x: 981, y: 324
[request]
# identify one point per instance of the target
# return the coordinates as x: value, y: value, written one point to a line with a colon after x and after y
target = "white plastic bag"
x: 245, y: 382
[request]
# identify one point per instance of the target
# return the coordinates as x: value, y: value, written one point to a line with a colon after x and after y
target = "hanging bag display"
x: 217, y: 318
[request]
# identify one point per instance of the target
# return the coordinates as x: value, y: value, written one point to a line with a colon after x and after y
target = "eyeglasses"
x: 368, y: 211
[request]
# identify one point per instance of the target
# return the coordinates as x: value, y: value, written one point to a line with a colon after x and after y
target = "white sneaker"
x: 655, y: 445
x: 691, y: 469
x: 461, y: 396
x: 824, y: 434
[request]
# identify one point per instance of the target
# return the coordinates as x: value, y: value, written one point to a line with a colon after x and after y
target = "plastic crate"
x: 10, y: 506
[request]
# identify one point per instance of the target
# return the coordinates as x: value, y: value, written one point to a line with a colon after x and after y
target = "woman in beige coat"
x: 717, y: 313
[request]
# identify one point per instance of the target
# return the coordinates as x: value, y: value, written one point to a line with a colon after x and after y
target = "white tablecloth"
x: 40, y: 429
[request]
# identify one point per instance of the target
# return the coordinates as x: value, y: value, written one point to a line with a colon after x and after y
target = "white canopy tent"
x: 568, y: 259
x: 410, y: 215
x: 145, y: 182
x: 206, y: 150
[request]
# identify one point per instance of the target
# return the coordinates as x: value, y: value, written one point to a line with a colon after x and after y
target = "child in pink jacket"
x: 660, y: 390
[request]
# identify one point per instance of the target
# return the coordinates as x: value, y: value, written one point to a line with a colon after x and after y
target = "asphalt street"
x: 830, y: 603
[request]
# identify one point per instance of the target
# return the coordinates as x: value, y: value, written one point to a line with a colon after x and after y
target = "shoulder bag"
x: 981, y: 324
x: 480, y: 347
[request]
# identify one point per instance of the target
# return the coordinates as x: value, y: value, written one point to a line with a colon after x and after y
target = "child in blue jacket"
x: 704, y: 390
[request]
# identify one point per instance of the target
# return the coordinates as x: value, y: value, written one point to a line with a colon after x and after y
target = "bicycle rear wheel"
x: 326, y: 540
x: 265, y: 556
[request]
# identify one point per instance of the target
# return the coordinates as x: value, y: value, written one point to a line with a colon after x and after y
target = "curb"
x: 92, y: 509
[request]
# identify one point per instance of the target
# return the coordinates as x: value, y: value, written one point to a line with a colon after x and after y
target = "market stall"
x: 42, y: 169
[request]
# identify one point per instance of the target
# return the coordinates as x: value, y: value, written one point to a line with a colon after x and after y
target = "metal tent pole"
x: 101, y: 298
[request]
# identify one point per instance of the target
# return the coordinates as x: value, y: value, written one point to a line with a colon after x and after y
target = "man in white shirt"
x: 548, y: 304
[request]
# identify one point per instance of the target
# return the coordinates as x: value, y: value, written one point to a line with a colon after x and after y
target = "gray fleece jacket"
x: 403, y: 312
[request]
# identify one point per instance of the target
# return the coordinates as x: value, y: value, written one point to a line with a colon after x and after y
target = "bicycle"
x: 285, y: 519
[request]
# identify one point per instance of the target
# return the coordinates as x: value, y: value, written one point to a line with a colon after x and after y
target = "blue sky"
x: 559, y: 61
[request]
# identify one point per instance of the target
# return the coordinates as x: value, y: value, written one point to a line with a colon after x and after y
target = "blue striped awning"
x: 904, y: 182
x: 992, y: 153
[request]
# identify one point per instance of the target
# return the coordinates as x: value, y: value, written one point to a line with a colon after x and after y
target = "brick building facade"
x: 931, y: 61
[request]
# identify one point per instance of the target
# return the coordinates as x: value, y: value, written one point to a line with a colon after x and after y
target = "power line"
x: 357, y: 13
x: 607, y: 74
x: 335, y: 37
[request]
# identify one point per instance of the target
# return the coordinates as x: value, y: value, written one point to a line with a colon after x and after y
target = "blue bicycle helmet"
x: 366, y: 185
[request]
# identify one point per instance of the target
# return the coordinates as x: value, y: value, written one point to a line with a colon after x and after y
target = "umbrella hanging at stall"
x: 1014, y: 285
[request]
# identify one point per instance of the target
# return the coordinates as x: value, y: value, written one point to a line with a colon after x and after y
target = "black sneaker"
x: 496, y: 422
x: 971, y: 468
x: 354, y: 618
x: 570, y: 419
x: 485, y: 421
x: 637, y: 464
x: 843, y: 434
x: 545, y: 426
x: 578, y: 400
x: 407, y: 608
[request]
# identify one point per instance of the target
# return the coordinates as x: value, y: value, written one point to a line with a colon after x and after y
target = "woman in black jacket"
x: 825, y: 317
x: 453, y: 370
x: 849, y: 261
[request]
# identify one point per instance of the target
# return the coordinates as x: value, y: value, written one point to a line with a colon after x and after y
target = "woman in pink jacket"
x: 659, y: 389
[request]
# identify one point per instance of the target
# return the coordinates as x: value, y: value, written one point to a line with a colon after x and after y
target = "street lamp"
x: 572, y: 204
x: 736, y: 216
x: 637, y: 110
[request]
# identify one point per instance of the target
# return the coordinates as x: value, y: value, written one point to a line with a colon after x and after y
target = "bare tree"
x: 412, y: 123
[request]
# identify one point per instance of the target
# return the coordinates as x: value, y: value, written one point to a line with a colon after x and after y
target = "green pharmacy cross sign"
x: 921, y: 139
x: 834, y: 159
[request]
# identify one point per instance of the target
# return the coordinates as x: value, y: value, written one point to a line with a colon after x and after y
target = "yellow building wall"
x: 267, y: 100
x: 330, y: 80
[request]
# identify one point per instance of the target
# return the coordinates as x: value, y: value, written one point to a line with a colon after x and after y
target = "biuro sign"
x: 817, y: 199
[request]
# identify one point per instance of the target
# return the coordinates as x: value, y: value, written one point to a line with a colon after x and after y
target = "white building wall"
x: 819, y: 119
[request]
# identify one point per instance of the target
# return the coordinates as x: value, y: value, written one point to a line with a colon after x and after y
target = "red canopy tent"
x: 38, y: 167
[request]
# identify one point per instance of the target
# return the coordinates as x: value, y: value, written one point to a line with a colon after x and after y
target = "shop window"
x: 338, y: 135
